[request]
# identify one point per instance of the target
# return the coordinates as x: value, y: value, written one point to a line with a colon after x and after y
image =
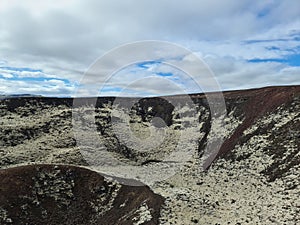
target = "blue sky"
x: 46, y: 48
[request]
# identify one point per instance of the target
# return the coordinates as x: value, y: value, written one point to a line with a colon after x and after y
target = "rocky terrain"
x: 56, y: 194
x: 253, y: 179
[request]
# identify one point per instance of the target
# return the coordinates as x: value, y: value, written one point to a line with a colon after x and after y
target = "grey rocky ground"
x: 255, y: 179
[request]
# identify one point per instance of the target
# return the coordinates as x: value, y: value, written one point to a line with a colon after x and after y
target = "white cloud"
x: 234, y: 73
x: 63, y: 39
x: 5, y: 73
x: 46, y: 88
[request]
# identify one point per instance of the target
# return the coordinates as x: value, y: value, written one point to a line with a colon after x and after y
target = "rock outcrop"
x: 254, y: 178
x: 57, y: 194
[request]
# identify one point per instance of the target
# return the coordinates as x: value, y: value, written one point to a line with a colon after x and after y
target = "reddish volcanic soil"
x: 257, y: 103
x: 56, y: 194
x: 253, y: 178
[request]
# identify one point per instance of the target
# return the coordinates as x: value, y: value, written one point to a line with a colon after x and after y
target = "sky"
x: 48, y: 48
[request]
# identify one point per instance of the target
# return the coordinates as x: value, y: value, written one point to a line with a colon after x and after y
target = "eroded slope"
x: 255, y: 179
x: 56, y: 194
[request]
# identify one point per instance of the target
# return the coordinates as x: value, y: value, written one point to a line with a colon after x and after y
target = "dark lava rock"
x: 59, y: 194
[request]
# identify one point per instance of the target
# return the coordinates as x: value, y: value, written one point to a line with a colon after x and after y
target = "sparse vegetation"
x: 254, y: 178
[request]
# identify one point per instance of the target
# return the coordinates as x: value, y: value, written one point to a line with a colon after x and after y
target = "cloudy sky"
x: 47, y: 48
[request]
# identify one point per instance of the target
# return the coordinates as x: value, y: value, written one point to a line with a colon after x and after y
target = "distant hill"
x: 19, y: 96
